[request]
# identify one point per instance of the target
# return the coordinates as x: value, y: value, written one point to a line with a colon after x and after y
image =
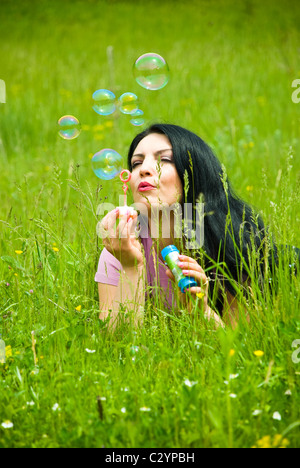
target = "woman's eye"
x: 136, y: 163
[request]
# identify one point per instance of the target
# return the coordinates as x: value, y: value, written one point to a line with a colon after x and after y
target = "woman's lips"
x: 146, y: 188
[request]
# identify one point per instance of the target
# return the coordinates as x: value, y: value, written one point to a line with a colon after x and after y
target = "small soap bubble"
x: 134, y: 350
x: 104, y: 102
x: 128, y: 103
x: 151, y: 71
x: 69, y: 127
x: 107, y: 163
x: 137, y: 118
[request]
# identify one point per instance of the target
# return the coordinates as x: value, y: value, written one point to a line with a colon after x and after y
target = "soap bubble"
x: 134, y: 350
x: 128, y: 103
x: 69, y: 127
x: 107, y: 163
x: 137, y: 118
x: 151, y: 71
x: 104, y: 102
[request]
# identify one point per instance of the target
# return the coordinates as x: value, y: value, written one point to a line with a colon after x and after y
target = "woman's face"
x: 153, y: 164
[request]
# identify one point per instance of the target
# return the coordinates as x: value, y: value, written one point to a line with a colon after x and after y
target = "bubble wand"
x: 125, y: 177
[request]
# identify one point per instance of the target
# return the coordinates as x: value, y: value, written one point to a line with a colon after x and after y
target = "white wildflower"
x: 233, y: 376
x: 188, y: 383
x: 7, y: 424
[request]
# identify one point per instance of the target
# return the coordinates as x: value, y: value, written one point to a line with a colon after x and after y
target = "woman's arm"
x: 232, y: 310
x: 122, y: 244
x: 130, y: 293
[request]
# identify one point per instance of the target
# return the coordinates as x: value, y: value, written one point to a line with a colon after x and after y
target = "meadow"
x: 175, y: 382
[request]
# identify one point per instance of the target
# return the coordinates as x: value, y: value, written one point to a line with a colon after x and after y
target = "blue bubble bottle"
x: 170, y: 255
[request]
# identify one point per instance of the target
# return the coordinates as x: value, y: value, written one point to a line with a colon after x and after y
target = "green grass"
x: 232, y: 65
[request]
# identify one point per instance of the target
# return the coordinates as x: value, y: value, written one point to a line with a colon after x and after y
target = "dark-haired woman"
x: 170, y: 165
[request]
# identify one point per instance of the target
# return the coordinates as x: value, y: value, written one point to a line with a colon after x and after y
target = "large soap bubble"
x: 151, y: 71
x: 107, y: 163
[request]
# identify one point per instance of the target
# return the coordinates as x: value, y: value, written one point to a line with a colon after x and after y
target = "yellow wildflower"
x: 8, y: 351
x: 249, y: 188
x: 258, y: 353
x: 231, y: 352
x: 261, y: 100
x: 98, y: 137
x: 267, y: 442
x: 78, y: 308
x: 86, y: 127
x: 55, y: 249
x: 18, y: 252
x: 109, y: 124
x: 200, y: 295
x: 98, y: 128
x: 264, y: 442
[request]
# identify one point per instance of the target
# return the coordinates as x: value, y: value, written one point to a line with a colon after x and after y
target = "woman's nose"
x: 147, y: 168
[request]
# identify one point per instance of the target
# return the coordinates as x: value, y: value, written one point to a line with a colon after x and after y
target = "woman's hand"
x: 121, y: 240
x: 191, y: 267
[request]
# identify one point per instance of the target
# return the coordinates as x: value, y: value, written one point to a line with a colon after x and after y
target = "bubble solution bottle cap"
x: 170, y: 256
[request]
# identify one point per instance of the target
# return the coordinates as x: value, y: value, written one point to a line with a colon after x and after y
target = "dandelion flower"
x: 55, y: 249
x: 78, y: 308
x: 258, y: 353
x: 7, y: 424
x: 231, y: 352
x: 18, y: 252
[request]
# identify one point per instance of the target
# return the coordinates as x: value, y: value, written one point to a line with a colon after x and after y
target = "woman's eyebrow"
x: 157, y: 153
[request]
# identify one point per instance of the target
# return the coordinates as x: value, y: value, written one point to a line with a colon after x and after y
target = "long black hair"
x: 231, y: 228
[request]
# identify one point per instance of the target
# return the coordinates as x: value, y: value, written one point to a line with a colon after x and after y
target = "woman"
x: 170, y: 165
